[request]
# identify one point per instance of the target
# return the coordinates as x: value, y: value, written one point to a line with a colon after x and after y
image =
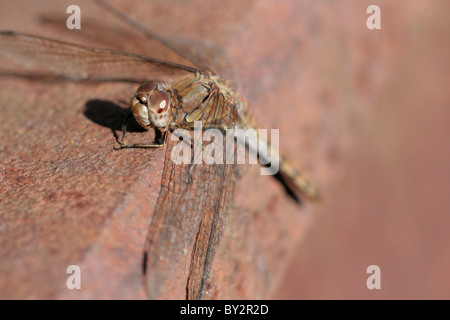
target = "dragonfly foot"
x: 190, y: 178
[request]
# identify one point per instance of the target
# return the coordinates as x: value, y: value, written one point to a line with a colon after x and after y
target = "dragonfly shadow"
x: 287, y: 188
x: 110, y: 115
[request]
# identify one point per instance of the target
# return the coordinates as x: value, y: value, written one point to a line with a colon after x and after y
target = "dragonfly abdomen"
x: 295, y: 178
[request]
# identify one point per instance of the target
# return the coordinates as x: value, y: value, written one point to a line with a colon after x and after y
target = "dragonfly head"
x: 151, y: 105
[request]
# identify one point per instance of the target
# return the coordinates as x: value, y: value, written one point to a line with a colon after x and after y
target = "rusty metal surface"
x: 68, y: 198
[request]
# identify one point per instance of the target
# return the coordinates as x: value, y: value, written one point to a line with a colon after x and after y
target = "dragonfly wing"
x: 187, y: 216
x: 76, y: 62
x: 205, y: 55
x: 209, y: 234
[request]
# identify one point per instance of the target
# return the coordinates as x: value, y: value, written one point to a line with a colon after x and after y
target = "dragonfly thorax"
x: 151, y: 105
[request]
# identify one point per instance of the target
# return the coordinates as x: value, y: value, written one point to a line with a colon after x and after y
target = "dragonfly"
x: 187, y: 96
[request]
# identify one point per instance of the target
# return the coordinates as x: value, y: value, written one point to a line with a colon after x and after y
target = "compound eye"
x: 159, y: 101
x: 147, y: 87
x: 142, y: 99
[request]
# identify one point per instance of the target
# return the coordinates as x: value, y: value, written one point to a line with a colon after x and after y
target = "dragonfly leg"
x: 124, y: 127
x: 137, y: 145
x: 191, y: 166
x: 195, y: 158
x: 143, y: 145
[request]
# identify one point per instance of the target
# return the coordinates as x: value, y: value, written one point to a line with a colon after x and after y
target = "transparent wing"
x: 47, y: 56
x: 205, y: 55
x: 186, y: 228
x: 210, y: 232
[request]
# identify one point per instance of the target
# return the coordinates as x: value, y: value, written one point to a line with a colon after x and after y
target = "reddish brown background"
x: 366, y: 112
x: 390, y: 205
